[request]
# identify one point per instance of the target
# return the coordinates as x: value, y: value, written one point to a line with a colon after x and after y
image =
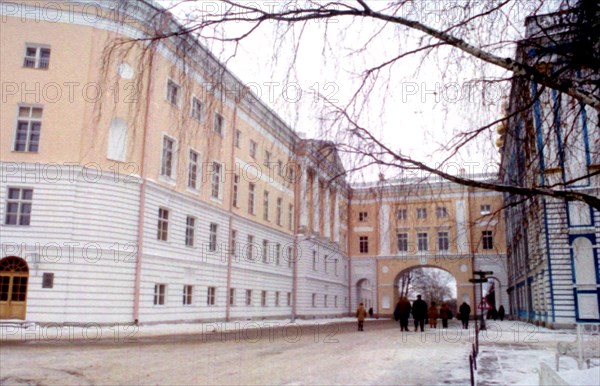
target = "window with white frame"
x: 219, y: 124
x: 37, y: 56
x: 276, y: 298
x: 253, y: 148
x: 441, y: 212
x: 187, y: 294
x: 265, y: 251
x: 160, y: 292
x: 212, y: 237
x: 173, y: 92
x: 248, y: 297
x: 266, y: 206
x: 237, y: 139
x: 421, y: 213
x: 277, y: 253
x: 29, y: 129
x: 193, y: 170
x: 211, y: 295
x: 487, y: 240
x: 401, y: 214
x: 422, y: 241
x: 197, y: 109
x: 232, y: 296
x: 251, y: 188
x: 167, y: 161
x: 263, y: 298
x: 485, y: 209
x: 363, y: 216
x: 443, y: 241
x: 402, y: 240
x: 278, y: 210
x: 190, y: 230
x: 291, y: 217
x: 363, y: 244
x: 215, y: 190
x: 250, y: 248
x: 163, y: 224
x: 236, y: 187
x: 18, y: 206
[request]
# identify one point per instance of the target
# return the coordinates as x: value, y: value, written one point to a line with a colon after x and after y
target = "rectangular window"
x: 187, y: 295
x: 487, y: 240
x: 37, y: 57
x: 289, y: 299
x: 234, y: 243
x: 401, y: 214
x: 18, y: 206
x: 173, y: 91
x: 279, y: 209
x: 212, y: 237
x: 422, y: 241
x: 267, y: 161
x: 443, y: 241
x: 314, y: 261
x: 441, y: 212
x: 253, y: 148
x: 250, y: 247
x: 280, y: 168
x: 402, y: 239
x: 168, y: 150
x: 363, y: 216
x: 190, y: 229
x: 248, y: 297
x: 325, y: 300
x: 160, y: 291
x: 265, y: 251
x: 485, y: 209
x: 237, y: 139
x: 236, y: 184
x: 363, y: 244
x: 291, y: 217
x: 421, y: 213
x: 277, y: 253
x: 335, y: 301
x: 314, y: 300
x: 263, y: 298
x: 335, y: 267
x: 325, y: 262
x: 216, y: 180
x: 219, y: 124
x: 210, y: 297
x: 276, y: 298
x: 266, y: 206
x: 251, y: 188
x: 232, y: 296
x: 197, y: 108
x: 163, y: 224
x: 29, y: 128
x: 290, y: 256
x: 193, y: 170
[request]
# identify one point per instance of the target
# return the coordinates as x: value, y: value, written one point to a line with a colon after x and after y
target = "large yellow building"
x: 142, y: 182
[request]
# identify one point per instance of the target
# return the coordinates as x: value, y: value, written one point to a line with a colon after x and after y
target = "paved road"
x: 292, y: 355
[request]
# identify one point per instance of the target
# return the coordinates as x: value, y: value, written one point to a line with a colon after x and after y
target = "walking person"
x: 432, y: 313
x: 371, y: 312
x: 419, y: 311
x: 465, y: 312
x: 501, y: 313
x: 445, y: 314
x: 404, y: 313
x: 361, y: 314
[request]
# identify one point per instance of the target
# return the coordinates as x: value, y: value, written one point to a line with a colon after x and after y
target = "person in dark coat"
x: 370, y: 312
x: 361, y: 315
x: 465, y: 312
x: 402, y: 313
x: 419, y: 312
x: 501, y: 313
x: 445, y: 314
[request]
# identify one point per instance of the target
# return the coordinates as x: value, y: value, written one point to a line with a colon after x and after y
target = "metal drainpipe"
x: 230, y: 251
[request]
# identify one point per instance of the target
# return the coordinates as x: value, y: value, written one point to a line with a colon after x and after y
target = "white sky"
x: 420, y: 107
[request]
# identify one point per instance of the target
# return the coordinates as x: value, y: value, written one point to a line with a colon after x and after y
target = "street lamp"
x: 481, y: 279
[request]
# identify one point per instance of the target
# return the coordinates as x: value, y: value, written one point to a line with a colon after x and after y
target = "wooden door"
x: 14, y: 277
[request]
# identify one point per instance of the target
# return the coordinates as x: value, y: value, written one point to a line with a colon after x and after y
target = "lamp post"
x: 481, y: 279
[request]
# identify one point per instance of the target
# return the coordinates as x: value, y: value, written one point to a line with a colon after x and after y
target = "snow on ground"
x: 327, y: 351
